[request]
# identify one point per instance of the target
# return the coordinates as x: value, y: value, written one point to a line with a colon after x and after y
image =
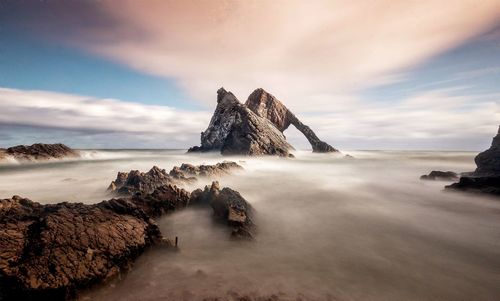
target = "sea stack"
x: 253, y: 128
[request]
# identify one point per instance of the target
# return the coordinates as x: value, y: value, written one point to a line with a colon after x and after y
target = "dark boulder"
x: 229, y: 207
x: 437, y: 175
x: 486, y: 177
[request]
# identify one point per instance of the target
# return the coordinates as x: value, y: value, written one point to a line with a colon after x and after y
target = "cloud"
x: 92, y: 117
x: 437, y: 119
x: 302, y: 49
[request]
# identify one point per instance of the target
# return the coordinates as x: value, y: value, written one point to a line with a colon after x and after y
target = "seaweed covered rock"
x: 51, y: 251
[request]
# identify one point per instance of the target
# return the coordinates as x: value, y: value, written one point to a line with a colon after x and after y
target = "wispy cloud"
x: 99, y: 116
x: 300, y: 48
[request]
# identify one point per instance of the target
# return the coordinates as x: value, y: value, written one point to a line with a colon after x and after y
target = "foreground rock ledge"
x: 50, y: 251
x: 38, y: 152
x: 253, y: 128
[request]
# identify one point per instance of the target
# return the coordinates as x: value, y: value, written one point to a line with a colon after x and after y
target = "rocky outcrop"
x: 229, y: 207
x: 236, y: 130
x: 162, y: 200
x: 130, y: 183
x: 50, y: 251
x: 38, y: 151
x: 267, y: 106
x: 437, y: 175
x: 486, y: 177
x: 488, y: 162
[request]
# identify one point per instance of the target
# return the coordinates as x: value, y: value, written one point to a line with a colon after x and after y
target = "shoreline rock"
x: 38, y: 152
x: 51, y: 251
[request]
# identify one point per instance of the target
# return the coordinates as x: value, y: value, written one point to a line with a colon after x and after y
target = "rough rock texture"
x: 437, y: 175
x: 162, y: 200
x: 229, y: 207
x: 488, y: 162
x: 486, y: 177
x: 39, y: 151
x: 236, y: 130
x: 267, y: 106
x: 130, y: 183
x: 49, y: 251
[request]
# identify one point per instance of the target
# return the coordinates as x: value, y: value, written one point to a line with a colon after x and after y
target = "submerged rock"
x: 130, y: 183
x: 38, y: 151
x: 50, y: 251
x: 437, y: 175
x: 253, y: 128
x: 486, y: 177
x: 229, y: 207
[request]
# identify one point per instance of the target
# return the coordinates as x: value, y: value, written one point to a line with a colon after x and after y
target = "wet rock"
x: 236, y: 130
x: 267, y: 106
x: 133, y: 182
x: 38, y: 151
x: 437, y: 175
x: 162, y: 200
x: 486, y: 177
x: 229, y: 207
x: 51, y: 251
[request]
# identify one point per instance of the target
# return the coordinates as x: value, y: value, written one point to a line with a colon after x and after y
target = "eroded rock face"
x: 229, y: 207
x: 488, y: 162
x: 49, y: 251
x: 39, y: 151
x: 236, y: 130
x: 267, y: 106
x: 130, y: 183
x: 437, y: 175
x: 486, y: 177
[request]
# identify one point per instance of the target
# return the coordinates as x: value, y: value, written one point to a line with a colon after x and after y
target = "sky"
x: 144, y: 74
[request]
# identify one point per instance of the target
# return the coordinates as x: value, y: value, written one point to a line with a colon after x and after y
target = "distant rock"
x: 130, y: 183
x: 253, y: 128
x: 229, y: 207
x: 236, y: 130
x: 486, y: 177
x: 437, y: 175
x: 38, y: 152
x: 48, y: 252
x: 266, y: 105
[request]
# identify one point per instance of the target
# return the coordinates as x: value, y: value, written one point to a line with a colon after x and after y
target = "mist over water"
x: 329, y: 228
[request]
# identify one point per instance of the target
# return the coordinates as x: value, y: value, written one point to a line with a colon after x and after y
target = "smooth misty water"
x: 329, y: 228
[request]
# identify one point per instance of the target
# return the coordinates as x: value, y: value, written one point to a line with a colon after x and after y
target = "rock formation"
x: 254, y: 128
x: 130, y: 183
x: 267, y: 106
x: 486, y: 177
x: 229, y: 207
x: 49, y: 251
x: 38, y: 151
x: 437, y: 175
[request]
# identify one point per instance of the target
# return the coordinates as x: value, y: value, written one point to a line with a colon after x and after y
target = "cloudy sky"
x: 144, y: 74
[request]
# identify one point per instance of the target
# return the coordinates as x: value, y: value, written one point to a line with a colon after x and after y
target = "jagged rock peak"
x: 267, y: 106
